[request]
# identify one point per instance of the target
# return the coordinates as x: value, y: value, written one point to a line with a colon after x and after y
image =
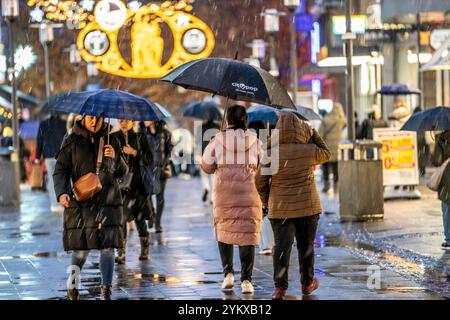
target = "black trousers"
x: 135, y: 208
x: 247, y: 256
x: 285, y: 230
x: 329, y: 167
x: 160, y: 203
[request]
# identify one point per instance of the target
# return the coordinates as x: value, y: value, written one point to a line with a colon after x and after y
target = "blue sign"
x: 303, y: 22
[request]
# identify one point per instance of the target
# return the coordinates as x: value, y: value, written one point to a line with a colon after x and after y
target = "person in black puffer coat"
x: 97, y: 222
x: 137, y: 204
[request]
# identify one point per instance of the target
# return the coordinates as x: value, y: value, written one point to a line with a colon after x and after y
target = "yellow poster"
x: 399, y: 155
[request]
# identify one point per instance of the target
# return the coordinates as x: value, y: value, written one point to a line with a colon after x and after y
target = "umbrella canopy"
x: 47, y: 105
x: 164, y: 111
x: 399, y: 89
x: 110, y: 103
x: 269, y: 114
x: 231, y: 79
x: 434, y: 119
x: 206, y: 110
x: 308, y: 113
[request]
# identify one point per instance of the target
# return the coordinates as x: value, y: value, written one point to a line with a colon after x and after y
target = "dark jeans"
x: 285, y: 230
x: 329, y: 167
x: 247, y: 256
x: 160, y: 203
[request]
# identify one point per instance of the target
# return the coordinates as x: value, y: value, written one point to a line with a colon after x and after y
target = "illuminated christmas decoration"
x: 98, y: 39
x: 24, y: 58
x: 88, y: 5
x: 37, y: 15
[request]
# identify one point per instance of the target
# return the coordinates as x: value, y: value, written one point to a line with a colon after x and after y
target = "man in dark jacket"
x: 97, y: 222
x: 159, y: 139
x: 440, y: 155
x: 50, y: 136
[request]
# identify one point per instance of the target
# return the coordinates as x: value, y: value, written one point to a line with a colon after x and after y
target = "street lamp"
x: 293, y: 5
x: 272, y: 26
x: 46, y: 37
x: 10, y: 11
x: 75, y: 59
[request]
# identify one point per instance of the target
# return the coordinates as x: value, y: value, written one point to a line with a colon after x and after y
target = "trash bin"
x: 9, y: 188
x: 360, y: 181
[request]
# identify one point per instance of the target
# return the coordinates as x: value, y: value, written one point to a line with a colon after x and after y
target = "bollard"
x: 9, y: 190
x: 360, y: 181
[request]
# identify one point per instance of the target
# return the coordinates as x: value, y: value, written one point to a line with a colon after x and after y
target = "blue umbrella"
x: 206, y: 110
x: 269, y: 114
x: 399, y: 89
x: 434, y: 119
x: 110, y: 103
x: 164, y: 111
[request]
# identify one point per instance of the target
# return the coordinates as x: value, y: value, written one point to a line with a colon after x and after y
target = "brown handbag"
x: 89, y: 184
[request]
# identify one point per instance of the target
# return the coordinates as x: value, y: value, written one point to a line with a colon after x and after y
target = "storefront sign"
x: 399, y: 155
x: 438, y: 37
x: 359, y: 24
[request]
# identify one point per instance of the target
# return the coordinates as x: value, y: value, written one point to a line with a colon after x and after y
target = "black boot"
x: 73, y: 294
x: 144, y: 248
x: 120, y: 259
x: 205, y: 195
x: 106, y: 292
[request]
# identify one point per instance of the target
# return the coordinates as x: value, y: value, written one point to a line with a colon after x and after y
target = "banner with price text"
x: 399, y: 155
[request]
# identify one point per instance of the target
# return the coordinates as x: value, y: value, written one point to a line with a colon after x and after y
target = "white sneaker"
x: 247, y: 287
x: 228, y: 282
x: 266, y: 252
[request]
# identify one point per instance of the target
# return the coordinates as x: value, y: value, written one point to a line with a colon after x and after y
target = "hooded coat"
x: 331, y: 129
x: 440, y: 155
x: 233, y: 155
x: 291, y: 192
x: 95, y: 223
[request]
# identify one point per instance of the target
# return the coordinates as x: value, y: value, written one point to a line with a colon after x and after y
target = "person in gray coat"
x: 332, y: 132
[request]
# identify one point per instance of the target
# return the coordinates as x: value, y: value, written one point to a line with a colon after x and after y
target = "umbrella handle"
x: 224, y: 115
x: 109, y: 129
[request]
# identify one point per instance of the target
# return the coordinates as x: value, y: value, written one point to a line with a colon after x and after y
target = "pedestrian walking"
x: 373, y: 121
x: 440, y: 156
x: 233, y: 156
x: 136, y: 205
x: 422, y: 147
x: 209, y: 129
x: 160, y: 143
x: 50, y: 136
x: 331, y: 130
x: 292, y: 199
x: 90, y: 222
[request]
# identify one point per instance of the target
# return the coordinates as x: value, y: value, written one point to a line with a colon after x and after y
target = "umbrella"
x: 269, y: 114
x: 232, y: 79
x: 110, y: 103
x: 164, y: 111
x: 434, y: 119
x: 399, y: 89
x: 47, y: 105
x: 206, y: 110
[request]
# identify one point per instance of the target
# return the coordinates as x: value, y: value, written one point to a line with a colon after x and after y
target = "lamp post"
x: 10, y: 11
x: 292, y: 5
x: 348, y: 37
x: 46, y: 37
x: 272, y: 26
x: 75, y: 59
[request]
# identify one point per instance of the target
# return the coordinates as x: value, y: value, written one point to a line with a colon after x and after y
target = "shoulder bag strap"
x: 100, y: 155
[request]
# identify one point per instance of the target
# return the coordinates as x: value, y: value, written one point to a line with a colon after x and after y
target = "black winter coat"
x: 442, y: 153
x: 50, y: 136
x: 97, y: 222
x: 161, y: 146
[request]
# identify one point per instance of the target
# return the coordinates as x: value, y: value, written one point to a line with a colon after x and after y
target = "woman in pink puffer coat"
x: 233, y: 156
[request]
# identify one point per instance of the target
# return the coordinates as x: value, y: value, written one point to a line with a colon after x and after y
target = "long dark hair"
x: 237, y: 117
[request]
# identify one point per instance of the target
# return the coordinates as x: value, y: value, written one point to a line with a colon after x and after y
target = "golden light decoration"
x: 98, y: 38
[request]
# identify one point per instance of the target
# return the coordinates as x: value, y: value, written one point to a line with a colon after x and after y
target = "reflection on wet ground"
x: 184, y: 261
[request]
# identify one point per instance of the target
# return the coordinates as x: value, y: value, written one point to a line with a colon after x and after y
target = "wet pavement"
x: 184, y: 261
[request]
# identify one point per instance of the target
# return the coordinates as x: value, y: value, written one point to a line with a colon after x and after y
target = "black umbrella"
x: 232, y: 79
x: 206, y: 110
x: 434, y: 119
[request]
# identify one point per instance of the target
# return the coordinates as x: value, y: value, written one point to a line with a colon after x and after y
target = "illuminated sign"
x: 315, y: 42
x: 101, y: 39
x: 359, y: 24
